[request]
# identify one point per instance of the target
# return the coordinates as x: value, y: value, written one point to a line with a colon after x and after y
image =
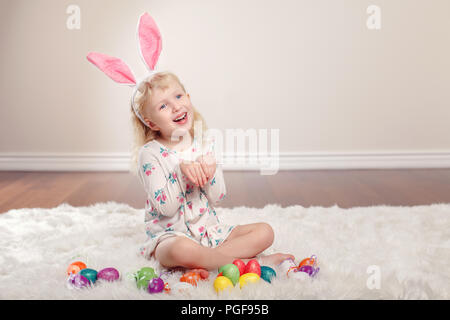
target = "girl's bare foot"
x: 276, y: 258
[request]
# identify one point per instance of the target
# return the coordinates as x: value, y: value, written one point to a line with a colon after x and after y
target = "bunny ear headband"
x: 150, y: 45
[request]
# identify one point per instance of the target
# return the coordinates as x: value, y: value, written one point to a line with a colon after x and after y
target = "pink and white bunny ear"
x: 149, y: 41
x: 113, y: 67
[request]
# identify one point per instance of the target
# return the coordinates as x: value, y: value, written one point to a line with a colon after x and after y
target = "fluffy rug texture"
x: 379, y: 252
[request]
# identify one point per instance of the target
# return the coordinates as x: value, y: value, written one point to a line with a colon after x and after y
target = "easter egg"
x: 311, y: 271
x: 108, y: 274
x: 230, y: 271
x: 253, y: 267
x: 146, y: 272
x: 267, y: 273
x: 221, y: 283
x: 241, y: 266
x: 308, y: 262
x: 75, y: 267
x: 248, y: 278
x: 90, y: 274
x: 143, y: 276
x: 155, y: 285
x: 80, y: 281
x: 191, y: 277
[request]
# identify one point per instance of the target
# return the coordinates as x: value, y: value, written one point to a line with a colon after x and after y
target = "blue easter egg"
x: 89, y: 274
x: 267, y: 273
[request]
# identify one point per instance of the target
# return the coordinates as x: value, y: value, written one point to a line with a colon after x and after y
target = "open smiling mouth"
x: 182, y: 119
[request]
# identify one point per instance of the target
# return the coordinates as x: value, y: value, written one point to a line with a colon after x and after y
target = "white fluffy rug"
x: 405, y: 249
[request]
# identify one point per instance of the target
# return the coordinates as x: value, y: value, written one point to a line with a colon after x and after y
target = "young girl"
x: 182, y: 226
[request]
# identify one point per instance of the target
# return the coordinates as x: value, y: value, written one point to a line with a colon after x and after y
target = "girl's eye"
x: 178, y: 97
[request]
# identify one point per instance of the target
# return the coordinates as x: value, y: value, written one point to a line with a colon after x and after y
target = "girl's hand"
x: 193, y: 170
x: 208, y: 164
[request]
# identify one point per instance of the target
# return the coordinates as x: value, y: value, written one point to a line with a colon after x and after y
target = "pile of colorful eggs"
x: 230, y: 274
x: 80, y: 276
x: 148, y: 279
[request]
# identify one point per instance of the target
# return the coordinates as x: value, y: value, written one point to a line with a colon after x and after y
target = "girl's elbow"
x: 165, y: 209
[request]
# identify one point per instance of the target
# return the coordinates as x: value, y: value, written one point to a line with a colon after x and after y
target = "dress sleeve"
x: 164, y: 191
x: 215, y: 189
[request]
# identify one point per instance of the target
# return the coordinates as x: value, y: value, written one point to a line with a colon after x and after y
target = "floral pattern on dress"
x: 160, y: 196
x: 181, y: 210
x: 181, y: 197
x: 202, y: 211
x: 163, y: 152
x: 148, y: 168
x: 173, y: 177
x: 153, y: 212
x: 189, y: 188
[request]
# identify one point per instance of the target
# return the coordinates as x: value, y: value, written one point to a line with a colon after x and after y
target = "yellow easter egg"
x: 222, y: 283
x: 248, y: 278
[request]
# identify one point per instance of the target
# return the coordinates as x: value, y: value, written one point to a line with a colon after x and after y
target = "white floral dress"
x: 175, y: 206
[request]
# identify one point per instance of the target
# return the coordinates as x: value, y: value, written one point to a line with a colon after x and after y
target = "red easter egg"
x: 253, y: 267
x: 241, y: 266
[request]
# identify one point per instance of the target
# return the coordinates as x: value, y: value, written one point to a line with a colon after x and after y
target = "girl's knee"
x: 184, y: 253
x: 266, y: 233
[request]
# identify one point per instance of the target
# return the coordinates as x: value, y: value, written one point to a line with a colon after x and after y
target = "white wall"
x: 309, y: 68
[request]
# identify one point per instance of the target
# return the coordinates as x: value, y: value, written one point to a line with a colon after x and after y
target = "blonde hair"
x: 143, y: 134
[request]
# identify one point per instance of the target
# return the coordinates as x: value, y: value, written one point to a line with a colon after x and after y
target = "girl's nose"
x: 176, y: 107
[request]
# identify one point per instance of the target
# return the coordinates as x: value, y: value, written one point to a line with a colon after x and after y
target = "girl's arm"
x: 163, y: 192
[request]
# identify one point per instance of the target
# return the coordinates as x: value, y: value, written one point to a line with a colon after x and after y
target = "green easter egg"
x: 142, y: 283
x: 267, y: 273
x: 90, y: 274
x: 146, y: 272
x: 143, y: 276
x: 230, y: 271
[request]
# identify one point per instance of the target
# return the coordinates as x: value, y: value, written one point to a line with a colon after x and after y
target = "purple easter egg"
x: 155, y: 285
x: 80, y: 281
x: 311, y: 271
x: 108, y: 274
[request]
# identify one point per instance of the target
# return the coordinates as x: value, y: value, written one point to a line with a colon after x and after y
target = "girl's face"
x: 165, y: 107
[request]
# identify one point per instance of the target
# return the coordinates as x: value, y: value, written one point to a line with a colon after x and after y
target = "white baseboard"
x: 286, y: 161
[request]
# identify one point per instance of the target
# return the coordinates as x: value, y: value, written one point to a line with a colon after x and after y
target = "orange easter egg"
x: 191, y: 277
x: 75, y: 267
x: 308, y: 262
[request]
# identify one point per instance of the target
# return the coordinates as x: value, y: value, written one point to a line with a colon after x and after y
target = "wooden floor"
x: 346, y: 188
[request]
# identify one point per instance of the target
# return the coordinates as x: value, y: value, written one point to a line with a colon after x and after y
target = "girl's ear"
x: 113, y: 67
x: 152, y: 125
